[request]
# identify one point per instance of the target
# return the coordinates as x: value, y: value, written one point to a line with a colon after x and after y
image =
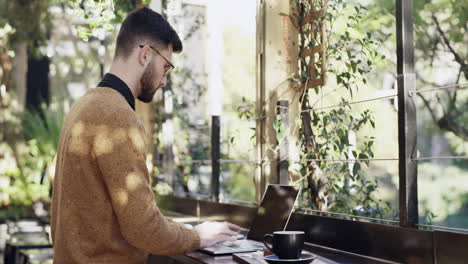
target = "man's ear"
x: 144, y: 56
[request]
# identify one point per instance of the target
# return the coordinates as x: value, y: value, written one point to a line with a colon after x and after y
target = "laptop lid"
x: 274, y: 211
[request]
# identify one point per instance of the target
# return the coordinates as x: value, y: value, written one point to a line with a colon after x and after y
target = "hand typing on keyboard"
x: 212, y: 232
x: 239, y: 236
x: 232, y: 241
x: 229, y: 243
x: 240, y: 244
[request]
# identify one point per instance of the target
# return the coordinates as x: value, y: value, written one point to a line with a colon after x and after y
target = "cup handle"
x: 268, y: 237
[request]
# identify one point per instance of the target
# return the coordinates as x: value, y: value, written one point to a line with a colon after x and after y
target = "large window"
x: 440, y: 119
x: 351, y: 168
x: 442, y: 114
x: 214, y: 73
x: 353, y: 160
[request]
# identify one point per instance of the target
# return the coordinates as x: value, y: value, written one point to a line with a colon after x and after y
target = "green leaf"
x: 356, y: 168
x: 370, y: 188
x: 336, y: 188
x: 353, y: 66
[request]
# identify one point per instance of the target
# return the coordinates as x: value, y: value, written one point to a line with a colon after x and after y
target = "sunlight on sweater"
x: 122, y: 197
x: 132, y: 181
x: 118, y: 135
x: 77, y: 144
x: 137, y: 139
x: 102, y: 142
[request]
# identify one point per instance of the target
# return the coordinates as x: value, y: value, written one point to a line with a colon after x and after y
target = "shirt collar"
x: 114, y: 82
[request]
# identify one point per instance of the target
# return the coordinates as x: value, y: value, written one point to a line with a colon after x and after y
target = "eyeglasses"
x: 167, y: 68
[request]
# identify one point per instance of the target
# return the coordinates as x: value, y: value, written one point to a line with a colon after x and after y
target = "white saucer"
x: 305, y: 259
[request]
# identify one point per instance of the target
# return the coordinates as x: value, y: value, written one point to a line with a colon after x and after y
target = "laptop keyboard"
x: 241, y: 244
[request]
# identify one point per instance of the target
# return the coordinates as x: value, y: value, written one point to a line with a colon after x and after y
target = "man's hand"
x: 213, y: 232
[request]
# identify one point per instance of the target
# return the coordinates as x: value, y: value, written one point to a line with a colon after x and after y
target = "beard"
x: 147, y: 85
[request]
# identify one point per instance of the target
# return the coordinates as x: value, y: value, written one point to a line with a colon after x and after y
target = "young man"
x: 103, y: 208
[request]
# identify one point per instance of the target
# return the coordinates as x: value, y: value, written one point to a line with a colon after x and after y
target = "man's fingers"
x: 229, y: 233
x: 233, y: 227
x: 226, y: 231
x: 226, y: 238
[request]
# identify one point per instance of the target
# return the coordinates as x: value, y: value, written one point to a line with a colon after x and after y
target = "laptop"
x: 272, y: 215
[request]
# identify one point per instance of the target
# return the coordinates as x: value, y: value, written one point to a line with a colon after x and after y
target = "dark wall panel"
x: 451, y: 247
x: 375, y: 240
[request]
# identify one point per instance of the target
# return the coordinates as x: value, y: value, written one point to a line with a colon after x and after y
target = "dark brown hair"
x: 145, y: 25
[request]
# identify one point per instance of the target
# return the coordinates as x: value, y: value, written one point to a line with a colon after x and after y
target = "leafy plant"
x: 326, y: 132
x: 100, y: 16
x: 34, y: 147
x: 42, y: 131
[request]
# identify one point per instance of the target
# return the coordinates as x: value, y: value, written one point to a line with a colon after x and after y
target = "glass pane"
x: 442, y: 117
x: 237, y: 181
x: 237, y: 138
x: 442, y: 181
x: 233, y: 47
x: 217, y: 35
x: 354, y: 188
x: 383, y: 130
x: 186, y: 127
x: 440, y: 36
x: 192, y: 158
x: 362, y: 55
x: 193, y: 178
x: 443, y: 192
x: 362, y: 73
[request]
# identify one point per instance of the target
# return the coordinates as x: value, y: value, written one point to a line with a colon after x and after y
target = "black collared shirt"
x: 114, y: 82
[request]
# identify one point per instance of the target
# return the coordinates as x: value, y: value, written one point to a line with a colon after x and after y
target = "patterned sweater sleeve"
x: 121, y: 160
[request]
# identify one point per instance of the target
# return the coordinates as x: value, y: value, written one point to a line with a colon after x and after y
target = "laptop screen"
x: 274, y: 211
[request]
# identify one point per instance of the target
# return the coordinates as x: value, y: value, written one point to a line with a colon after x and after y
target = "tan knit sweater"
x: 103, y: 208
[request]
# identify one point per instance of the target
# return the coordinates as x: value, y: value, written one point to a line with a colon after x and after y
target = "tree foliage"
x: 32, y: 136
x: 440, y: 33
x: 100, y: 16
x: 29, y: 19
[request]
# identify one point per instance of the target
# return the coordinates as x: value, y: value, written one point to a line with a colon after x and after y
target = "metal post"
x: 283, y: 148
x: 215, y: 156
x: 260, y: 174
x: 406, y: 115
